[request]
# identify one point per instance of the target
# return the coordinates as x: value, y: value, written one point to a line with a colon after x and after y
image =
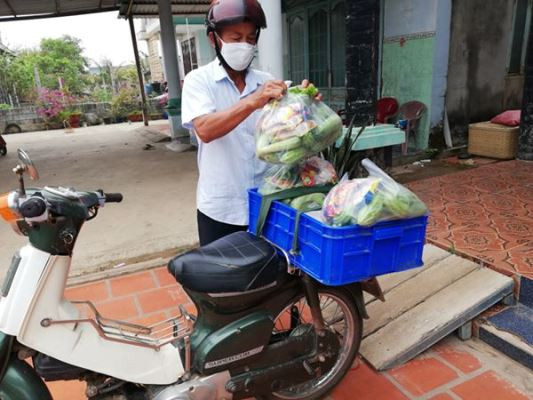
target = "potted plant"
x: 123, y: 104
x: 135, y: 116
x: 74, y: 119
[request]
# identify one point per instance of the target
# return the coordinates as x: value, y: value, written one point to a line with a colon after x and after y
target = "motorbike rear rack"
x: 154, y: 336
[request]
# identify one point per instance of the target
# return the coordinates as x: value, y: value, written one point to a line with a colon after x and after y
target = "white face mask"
x: 238, y: 55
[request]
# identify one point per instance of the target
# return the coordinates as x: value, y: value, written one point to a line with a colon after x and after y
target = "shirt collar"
x: 252, y: 78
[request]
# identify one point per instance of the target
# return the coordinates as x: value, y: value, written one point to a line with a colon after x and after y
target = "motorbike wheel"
x: 340, y: 314
x: 3, y: 151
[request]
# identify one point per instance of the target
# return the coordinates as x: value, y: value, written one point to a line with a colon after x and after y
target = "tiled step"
x: 428, y: 306
x: 511, y: 332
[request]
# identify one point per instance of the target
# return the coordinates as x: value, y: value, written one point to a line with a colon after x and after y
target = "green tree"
x: 62, y: 59
x: 53, y: 60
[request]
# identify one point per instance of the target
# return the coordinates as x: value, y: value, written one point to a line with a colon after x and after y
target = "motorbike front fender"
x: 21, y: 382
x: 18, y: 380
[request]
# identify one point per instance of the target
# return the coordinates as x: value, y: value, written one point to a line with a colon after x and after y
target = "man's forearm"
x: 213, y: 126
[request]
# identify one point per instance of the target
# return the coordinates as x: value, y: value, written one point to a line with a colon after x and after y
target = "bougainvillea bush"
x: 51, y: 104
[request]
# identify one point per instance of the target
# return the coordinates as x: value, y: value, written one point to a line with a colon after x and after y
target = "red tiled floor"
x: 484, y: 213
x: 363, y: 383
x: 160, y: 299
x: 488, y: 386
x: 67, y: 390
x: 461, y: 360
x: 96, y: 291
x: 442, y: 396
x: 163, y: 277
x: 422, y: 375
x: 123, y: 308
x: 132, y: 283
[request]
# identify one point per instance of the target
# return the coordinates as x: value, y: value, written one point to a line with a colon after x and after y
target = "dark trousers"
x: 210, y: 230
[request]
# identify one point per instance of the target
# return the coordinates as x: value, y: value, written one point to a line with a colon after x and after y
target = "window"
x: 338, y: 45
x: 296, y: 48
x: 317, y: 46
x: 190, y: 60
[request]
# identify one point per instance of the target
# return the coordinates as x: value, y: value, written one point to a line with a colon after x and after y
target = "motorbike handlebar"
x: 113, y: 197
x: 33, y: 208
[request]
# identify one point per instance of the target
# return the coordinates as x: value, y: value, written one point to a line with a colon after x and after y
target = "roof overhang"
x: 17, y: 10
x: 150, y: 8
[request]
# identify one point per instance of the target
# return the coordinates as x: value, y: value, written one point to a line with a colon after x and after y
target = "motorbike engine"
x: 211, y: 387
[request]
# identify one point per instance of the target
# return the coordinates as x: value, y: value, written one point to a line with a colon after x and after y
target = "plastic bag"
x: 295, y: 127
x: 370, y: 200
x: 311, y: 172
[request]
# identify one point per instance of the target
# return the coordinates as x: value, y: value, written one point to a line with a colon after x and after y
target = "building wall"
x: 479, y: 50
x: 408, y: 52
x: 156, y: 67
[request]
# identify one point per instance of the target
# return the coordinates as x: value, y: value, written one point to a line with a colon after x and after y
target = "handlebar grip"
x: 113, y: 197
x: 33, y: 207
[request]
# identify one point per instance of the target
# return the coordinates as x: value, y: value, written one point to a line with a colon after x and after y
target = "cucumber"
x: 309, y: 202
x: 293, y: 156
x: 284, y: 145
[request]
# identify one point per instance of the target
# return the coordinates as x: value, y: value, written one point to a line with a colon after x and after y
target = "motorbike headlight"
x: 9, y: 207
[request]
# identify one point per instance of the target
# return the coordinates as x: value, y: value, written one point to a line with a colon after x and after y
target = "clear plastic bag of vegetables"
x: 295, y: 127
x: 368, y: 201
x: 311, y: 172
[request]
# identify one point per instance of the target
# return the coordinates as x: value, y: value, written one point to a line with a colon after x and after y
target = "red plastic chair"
x: 411, y: 111
x: 387, y: 108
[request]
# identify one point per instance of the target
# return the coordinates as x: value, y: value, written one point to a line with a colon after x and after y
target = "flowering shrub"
x: 51, y: 104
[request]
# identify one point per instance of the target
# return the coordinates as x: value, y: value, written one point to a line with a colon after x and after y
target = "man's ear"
x: 212, y: 38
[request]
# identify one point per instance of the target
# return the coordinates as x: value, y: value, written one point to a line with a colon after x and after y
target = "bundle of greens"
x: 296, y: 127
x: 368, y: 201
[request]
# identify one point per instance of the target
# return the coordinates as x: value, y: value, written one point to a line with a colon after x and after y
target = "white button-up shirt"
x: 228, y: 166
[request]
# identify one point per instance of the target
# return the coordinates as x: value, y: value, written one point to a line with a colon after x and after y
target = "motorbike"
x: 263, y: 329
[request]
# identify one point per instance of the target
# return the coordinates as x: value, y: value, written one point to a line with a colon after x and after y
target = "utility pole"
x: 139, y: 72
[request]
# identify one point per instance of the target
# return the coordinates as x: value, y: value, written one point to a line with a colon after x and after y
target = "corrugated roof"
x: 149, y: 8
x: 28, y: 9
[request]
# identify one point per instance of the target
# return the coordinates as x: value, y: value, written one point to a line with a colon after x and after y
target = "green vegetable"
x: 324, y: 134
x: 397, y: 205
x: 370, y: 213
x: 272, y: 158
x: 308, y: 202
x: 342, y: 219
x: 292, y: 156
x: 263, y: 141
x: 310, y: 90
x: 284, y: 145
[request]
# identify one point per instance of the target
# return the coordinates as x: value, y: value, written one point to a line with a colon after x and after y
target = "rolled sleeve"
x: 196, y: 100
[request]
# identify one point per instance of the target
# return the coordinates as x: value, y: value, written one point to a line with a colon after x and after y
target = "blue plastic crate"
x: 340, y: 255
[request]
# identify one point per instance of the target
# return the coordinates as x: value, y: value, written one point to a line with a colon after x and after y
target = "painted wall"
x: 410, y: 48
x: 479, y: 49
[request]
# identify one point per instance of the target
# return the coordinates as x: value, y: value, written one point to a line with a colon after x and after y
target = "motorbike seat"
x: 236, y: 263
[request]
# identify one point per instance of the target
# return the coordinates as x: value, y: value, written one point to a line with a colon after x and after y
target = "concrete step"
x: 417, y: 317
x: 511, y: 332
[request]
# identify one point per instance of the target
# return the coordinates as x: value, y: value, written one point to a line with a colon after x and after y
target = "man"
x: 221, y: 103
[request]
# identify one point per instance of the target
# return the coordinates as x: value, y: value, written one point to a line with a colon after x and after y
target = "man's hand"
x: 270, y: 90
x: 306, y: 83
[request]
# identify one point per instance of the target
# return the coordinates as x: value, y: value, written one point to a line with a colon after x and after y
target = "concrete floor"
x: 159, y: 186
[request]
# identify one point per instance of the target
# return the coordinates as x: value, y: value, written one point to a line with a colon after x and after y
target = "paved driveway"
x: 158, y: 211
